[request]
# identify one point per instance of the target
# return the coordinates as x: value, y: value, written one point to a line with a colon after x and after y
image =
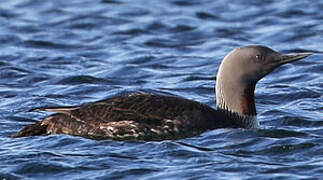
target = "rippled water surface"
x: 62, y: 53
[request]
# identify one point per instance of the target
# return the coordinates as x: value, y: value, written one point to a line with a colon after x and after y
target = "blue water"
x: 70, y: 52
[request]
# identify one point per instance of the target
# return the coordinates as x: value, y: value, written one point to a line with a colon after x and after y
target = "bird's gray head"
x: 239, y: 72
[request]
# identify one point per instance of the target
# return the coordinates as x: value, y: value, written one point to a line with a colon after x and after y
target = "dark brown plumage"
x: 135, y: 116
x: 156, y: 117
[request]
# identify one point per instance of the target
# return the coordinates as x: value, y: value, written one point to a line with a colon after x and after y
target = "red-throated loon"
x: 141, y: 116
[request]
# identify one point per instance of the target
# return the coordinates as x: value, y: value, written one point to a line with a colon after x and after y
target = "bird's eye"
x: 260, y: 57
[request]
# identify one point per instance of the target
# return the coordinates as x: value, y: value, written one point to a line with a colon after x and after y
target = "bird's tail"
x: 32, y: 130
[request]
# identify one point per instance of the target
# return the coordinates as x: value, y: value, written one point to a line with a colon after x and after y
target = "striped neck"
x: 238, y: 105
x: 243, y: 121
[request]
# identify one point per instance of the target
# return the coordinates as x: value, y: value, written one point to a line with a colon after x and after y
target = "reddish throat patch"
x: 248, y: 101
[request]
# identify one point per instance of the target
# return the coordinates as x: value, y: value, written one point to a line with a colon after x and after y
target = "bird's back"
x: 133, y: 116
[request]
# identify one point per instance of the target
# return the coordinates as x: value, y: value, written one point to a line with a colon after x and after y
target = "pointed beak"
x: 293, y: 57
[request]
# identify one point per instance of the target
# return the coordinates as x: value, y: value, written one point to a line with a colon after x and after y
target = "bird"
x: 156, y: 117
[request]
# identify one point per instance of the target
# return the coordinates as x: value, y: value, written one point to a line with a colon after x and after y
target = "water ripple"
x: 60, y: 53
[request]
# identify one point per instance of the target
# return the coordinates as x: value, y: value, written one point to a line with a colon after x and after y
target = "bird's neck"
x: 237, y: 100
